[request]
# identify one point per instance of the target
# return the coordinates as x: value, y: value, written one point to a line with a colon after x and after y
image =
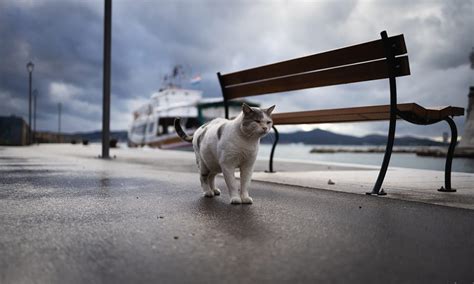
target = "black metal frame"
x: 452, y: 145
x: 394, y: 112
x: 270, y: 163
x: 412, y: 118
x: 449, y: 157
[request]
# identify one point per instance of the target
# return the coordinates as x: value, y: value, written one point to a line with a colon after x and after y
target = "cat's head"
x: 256, y: 121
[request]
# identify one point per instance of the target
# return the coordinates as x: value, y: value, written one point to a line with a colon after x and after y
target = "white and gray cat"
x: 223, y: 145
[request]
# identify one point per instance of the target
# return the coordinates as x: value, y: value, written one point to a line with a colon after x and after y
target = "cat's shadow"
x: 240, y: 221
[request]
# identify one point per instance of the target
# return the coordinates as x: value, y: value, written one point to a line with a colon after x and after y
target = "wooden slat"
x: 368, y: 51
x: 368, y: 113
x: 348, y: 74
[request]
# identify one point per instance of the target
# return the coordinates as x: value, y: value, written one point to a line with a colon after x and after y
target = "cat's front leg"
x: 232, y: 184
x: 245, y: 178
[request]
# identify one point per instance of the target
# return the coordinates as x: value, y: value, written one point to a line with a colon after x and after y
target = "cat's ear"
x: 270, y: 109
x: 246, y: 109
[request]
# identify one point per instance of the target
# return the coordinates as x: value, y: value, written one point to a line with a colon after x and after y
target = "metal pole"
x: 29, y: 112
x: 59, y: 122
x: 34, y: 115
x: 106, y: 79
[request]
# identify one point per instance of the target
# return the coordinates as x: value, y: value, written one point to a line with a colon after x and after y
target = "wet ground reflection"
x: 239, y: 221
x: 40, y: 183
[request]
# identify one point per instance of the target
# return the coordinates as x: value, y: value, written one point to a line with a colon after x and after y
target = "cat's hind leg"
x: 212, y: 185
x: 206, y: 188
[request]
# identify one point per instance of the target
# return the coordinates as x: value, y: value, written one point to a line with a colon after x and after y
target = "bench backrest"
x: 357, y: 63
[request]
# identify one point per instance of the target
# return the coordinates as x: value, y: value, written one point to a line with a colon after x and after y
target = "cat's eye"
x: 268, y: 122
x: 257, y: 121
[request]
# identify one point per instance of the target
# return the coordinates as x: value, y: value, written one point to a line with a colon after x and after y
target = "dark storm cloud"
x: 64, y: 39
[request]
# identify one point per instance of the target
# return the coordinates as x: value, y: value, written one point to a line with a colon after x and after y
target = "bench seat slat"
x: 368, y: 113
x: 367, y: 71
x: 368, y: 51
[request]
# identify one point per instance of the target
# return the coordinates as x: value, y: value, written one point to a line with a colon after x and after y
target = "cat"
x: 223, y: 145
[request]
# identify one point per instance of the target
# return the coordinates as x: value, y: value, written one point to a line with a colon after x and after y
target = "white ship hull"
x: 153, y: 123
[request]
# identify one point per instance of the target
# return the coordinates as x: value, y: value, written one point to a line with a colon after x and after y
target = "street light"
x: 30, y: 66
x: 106, y: 79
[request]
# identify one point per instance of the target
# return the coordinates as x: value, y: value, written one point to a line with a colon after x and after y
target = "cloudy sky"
x: 64, y: 40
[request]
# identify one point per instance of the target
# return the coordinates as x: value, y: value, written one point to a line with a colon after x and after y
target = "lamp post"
x: 35, y: 93
x: 30, y: 66
x: 106, y: 79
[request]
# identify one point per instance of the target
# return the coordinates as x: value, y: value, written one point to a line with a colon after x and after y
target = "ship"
x: 153, y: 123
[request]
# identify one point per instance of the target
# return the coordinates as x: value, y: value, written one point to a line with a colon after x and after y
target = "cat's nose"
x: 265, y: 128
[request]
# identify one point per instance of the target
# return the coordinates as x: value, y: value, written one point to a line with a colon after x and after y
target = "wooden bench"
x: 379, y: 59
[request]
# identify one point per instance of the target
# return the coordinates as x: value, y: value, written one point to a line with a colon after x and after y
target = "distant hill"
x: 315, y: 137
x: 323, y: 137
x: 96, y: 136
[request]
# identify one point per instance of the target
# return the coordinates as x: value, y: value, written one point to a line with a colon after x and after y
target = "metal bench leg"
x: 386, y: 159
x: 277, y: 137
x: 393, y: 114
x: 449, y: 157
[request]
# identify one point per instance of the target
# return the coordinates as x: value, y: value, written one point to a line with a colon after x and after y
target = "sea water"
x: 404, y: 160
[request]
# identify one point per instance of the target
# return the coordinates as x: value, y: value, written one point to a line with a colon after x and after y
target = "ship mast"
x: 471, y: 57
x: 175, y: 78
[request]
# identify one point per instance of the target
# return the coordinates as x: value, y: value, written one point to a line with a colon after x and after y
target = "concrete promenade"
x: 68, y: 217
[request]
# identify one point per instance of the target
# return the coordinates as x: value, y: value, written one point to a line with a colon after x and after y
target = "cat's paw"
x: 247, y: 200
x: 235, y: 200
x: 217, y: 191
x: 209, y: 193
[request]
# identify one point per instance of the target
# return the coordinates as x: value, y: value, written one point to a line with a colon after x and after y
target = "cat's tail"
x: 180, y: 131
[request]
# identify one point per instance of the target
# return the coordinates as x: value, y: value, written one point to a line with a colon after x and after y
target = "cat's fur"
x: 223, y: 145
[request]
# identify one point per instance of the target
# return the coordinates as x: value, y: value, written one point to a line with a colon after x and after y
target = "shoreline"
x: 424, y: 151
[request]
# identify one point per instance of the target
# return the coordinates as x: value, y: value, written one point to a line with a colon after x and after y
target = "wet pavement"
x: 68, y: 217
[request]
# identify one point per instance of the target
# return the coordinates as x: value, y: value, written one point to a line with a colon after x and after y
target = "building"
x: 54, y: 137
x: 13, y: 131
x: 467, y: 141
x: 466, y: 146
